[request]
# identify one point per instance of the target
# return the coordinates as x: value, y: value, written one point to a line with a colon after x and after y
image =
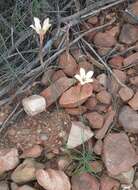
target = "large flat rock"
x: 128, y: 118
x: 118, y: 154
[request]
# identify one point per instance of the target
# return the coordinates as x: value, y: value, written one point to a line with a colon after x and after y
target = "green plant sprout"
x: 82, y: 159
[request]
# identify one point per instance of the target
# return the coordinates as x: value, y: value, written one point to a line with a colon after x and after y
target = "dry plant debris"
x: 79, y: 73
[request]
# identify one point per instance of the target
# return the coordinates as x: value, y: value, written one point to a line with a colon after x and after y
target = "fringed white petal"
x: 89, y: 80
x: 82, y: 73
x: 78, y: 77
x: 32, y: 26
x: 46, y: 25
x: 89, y: 74
x: 37, y: 23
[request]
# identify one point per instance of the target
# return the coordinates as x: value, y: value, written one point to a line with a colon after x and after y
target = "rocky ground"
x: 88, y: 137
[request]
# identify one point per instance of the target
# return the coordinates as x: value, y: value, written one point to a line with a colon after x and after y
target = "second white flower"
x: 84, y: 77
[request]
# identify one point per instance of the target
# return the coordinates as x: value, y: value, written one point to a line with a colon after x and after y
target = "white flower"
x: 126, y: 187
x: 84, y: 77
x: 41, y: 29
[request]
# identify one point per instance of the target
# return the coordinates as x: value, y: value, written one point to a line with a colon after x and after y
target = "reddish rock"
x: 126, y: 94
x: 103, y: 50
x: 51, y: 179
x: 126, y: 177
x: 134, y: 102
x: 104, y: 97
x: 25, y: 172
x: 76, y: 96
x: 95, y: 119
x: 13, y: 186
x: 57, y: 75
x: 93, y: 20
x: 108, y: 183
x: 91, y: 103
x: 102, y: 78
x: 47, y: 77
x: 133, y: 8
x: 97, y: 86
x: 121, y: 47
x: 136, y: 182
x: 85, y: 65
x: 85, y: 27
x: 121, y: 76
x: 84, y: 181
x: 114, y: 31
x: 116, y: 62
x: 118, y: 154
x: 63, y: 162
x: 134, y: 80
x: 104, y: 39
x: 108, y: 121
x: 97, y: 166
x: 5, y: 110
x: 78, y: 55
x: 129, y: 34
x: 32, y: 152
x: 98, y: 147
x: 76, y: 111
x: 136, y: 47
x: 131, y: 59
x: 9, y: 159
x: 101, y: 108
x: 131, y: 72
x: 128, y: 118
x: 26, y: 187
x: 4, y: 185
x: 68, y: 64
x: 48, y: 130
x: 55, y: 90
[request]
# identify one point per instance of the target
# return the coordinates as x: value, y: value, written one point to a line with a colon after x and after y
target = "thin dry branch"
x: 31, y: 76
x: 8, y: 118
x: 104, y: 63
x: 86, y: 12
x: 17, y: 43
x: 53, y: 57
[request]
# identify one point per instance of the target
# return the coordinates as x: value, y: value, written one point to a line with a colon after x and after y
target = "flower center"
x: 84, y: 79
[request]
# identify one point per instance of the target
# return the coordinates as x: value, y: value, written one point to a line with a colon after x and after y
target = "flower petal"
x: 82, y: 73
x: 89, y: 80
x: 37, y: 23
x: 89, y: 74
x: 46, y: 25
x: 37, y: 31
x: 32, y: 26
x: 78, y: 77
x: 83, y: 82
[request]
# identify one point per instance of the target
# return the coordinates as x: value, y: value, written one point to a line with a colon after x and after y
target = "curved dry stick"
x: 105, y: 64
x: 83, y: 13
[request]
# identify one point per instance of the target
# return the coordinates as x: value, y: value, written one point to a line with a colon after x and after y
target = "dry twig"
x: 105, y: 64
